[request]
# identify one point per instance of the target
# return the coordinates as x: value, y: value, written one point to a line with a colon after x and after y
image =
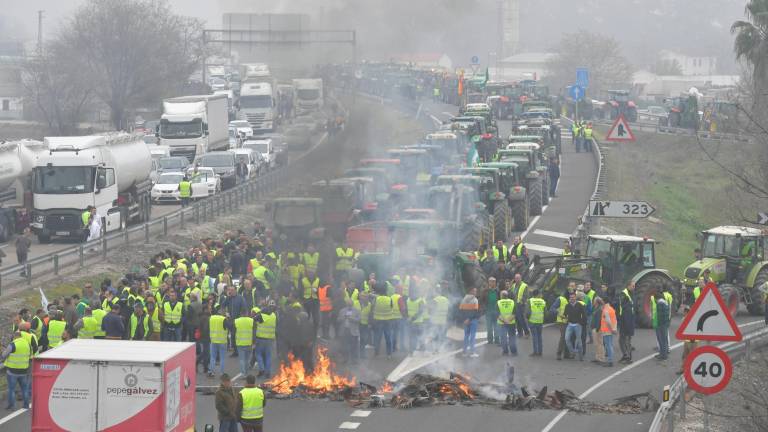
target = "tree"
x: 608, y: 68
x: 667, y: 67
x: 59, y: 92
x: 132, y: 51
x: 751, y: 44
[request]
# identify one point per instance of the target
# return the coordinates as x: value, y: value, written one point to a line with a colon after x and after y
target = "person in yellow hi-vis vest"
x: 185, y: 191
x: 16, y: 358
x: 250, y: 406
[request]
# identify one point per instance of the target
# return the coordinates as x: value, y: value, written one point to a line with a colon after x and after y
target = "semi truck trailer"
x: 94, y: 385
x: 110, y: 172
x: 192, y: 125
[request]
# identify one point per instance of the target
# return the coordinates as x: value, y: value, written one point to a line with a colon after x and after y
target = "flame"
x: 386, y: 387
x: 292, y: 374
x: 465, y: 388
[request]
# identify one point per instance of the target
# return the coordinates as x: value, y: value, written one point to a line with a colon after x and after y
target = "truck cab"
x: 257, y: 106
x: 309, y: 95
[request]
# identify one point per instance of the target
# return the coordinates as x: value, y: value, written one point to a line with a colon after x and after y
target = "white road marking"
x: 14, y: 414
x: 404, y: 367
x: 626, y: 368
x: 360, y: 413
x: 236, y: 377
x: 451, y: 115
x: 545, y: 249
x: 349, y: 425
x: 436, y: 120
x: 555, y: 234
x: 531, y: 224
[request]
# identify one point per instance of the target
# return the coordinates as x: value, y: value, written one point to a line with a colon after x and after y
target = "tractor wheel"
x: 474, y: 277
x: 730, y: 295
x: 758, y: 298
x: 520, y: 214
x: 646, y: 287
x: 501, y: 221
x: 535, y: 189
x: 473, y: 236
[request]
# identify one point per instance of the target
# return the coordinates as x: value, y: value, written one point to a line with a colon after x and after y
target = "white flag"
x: 43, y: 299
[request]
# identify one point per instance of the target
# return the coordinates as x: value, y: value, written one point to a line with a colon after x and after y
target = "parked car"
x: 208, y: 176
x: 251, y: 159
x: 172, y: 164
x: 223, y: 164
x: 265, y: 148
x: 167, y: 188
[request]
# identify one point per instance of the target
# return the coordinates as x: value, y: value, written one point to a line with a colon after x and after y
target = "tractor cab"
x: 344, y: 202
x: 415, y: 164
x: 621, y: 257
x: 449, y: 142
x: 297, y: 219
x: 522, y: 138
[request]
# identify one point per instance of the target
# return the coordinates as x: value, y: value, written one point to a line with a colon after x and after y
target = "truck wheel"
x: 535, y: 190
x: 44, y: 238
x: 520, y: 214
x: 756, y: 307
x: 730, y: 295
x: 646, y: 287
x: 501, y: 223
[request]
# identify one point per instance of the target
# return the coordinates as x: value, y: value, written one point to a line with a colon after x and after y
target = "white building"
x: 521, y: 66
x: 692, y: 65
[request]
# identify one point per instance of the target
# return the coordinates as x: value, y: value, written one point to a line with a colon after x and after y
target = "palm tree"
x: 751, y: 43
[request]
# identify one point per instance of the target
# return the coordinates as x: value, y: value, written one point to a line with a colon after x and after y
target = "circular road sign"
x: 707, y: 369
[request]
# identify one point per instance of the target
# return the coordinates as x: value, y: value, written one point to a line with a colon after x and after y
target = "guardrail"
x: 584, y: 228
x: 78, y: 256
x: 664, y: 420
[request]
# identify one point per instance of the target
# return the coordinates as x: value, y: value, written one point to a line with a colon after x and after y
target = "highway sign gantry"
x: 620, y: 131
x: 620, y: 209
x: 707, y: 369
x: 709, y: 319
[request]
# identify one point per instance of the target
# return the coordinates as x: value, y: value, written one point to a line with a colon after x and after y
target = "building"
x: 521, y: 66
x: 650, y: 86
x: 11, y: 85
x: 705, y: 65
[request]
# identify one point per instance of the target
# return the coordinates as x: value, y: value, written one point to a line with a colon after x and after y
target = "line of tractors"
x: 429, y: 207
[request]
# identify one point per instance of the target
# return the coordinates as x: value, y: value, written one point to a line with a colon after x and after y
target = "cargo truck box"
x: 90, y: 385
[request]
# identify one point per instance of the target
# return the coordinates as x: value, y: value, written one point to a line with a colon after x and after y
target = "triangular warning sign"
x: 709, y: 319
x: 620, y: 131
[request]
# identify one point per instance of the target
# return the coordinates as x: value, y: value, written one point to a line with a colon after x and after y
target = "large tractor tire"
x: 648, y: 286
x: 520, y: 214
x: 534, y: 187
x: 730, y: 295
x: 472, y: 236
x: 473, y: 277
x: 757, y: 307
x: 502, y: 221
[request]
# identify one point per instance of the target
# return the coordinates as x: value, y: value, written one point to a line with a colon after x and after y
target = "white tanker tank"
x: 17, y: 159
x: 110, y: 172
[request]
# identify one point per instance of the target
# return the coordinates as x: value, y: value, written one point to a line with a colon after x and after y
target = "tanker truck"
x: 193, y: 125
x: 110, y: 172
x: 17, y: 159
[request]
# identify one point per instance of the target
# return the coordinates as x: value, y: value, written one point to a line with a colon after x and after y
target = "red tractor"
x: 618, y: 104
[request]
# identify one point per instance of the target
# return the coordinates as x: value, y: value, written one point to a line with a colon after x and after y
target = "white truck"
x: 17, y: 159
x: 257, y: 105
x: 111, y: 172
x: 255, y: 72
x: 309, y: 95
x: 114, y: 385
x: 192, y: 125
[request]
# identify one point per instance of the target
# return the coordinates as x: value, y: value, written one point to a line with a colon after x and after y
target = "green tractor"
x: 534, y: 163
x: 735, y: 258
x: 517, y: 195
x: 484, y: 187
x: 613, y: 260
x: 426, y: 244
x: 494, y: 195
x: 461, y: 203
x: 531, y: 180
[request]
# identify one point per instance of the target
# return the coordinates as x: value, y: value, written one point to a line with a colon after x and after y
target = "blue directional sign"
x: 576, y: 92
x: 475, y: 60
x: 582, y: 77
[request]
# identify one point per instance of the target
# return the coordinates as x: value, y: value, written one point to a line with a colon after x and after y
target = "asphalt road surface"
x: 593, y: 382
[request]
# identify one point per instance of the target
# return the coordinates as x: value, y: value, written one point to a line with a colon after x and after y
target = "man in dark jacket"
x: 226, y: 405
x: 662, y: 327
x: 554, y: 174
x: 626, y: 322
x: 233, y: 303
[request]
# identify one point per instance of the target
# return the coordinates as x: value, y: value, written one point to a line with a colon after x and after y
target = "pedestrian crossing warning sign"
x: 620, y: 131
x: 709, y: 319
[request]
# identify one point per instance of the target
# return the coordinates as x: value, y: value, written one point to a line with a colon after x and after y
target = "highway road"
x: 593, y: 382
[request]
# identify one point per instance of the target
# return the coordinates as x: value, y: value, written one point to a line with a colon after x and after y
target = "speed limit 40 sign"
x: 707, y: 369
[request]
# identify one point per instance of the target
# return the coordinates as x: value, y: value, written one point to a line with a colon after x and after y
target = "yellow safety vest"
x: 382, y: 308
x: 440, y: 313
x: 98, y: 315
x: 625, y: 292
x: 309, y: 286
x: 521, y: 292
x: 364, y: 311
x: 260, y: 274
x: 86, y: 217
x: 561, y: 318
x: 19, y: 358
x: 55, y: 331
x: 172, y: 316
x: 311, y: 260
x: 588, y: 133
x: 244, y: 331
x: 506, y: 311
x: 39, y: 329
x: 156, y: 319
x: 218, y: 332
x: 201, y: 268
x: 90, y: 326
x: 185, y: 189
x: 696, y: 293
x: 253, y: 403
x: 413, y: 307
x: 345, y: 257
x: 395, y: 313
x: 519, y: 250
x: 266, y: 329
x: 135, y: 324
x: 537, y: 310
x: 29, y: 337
